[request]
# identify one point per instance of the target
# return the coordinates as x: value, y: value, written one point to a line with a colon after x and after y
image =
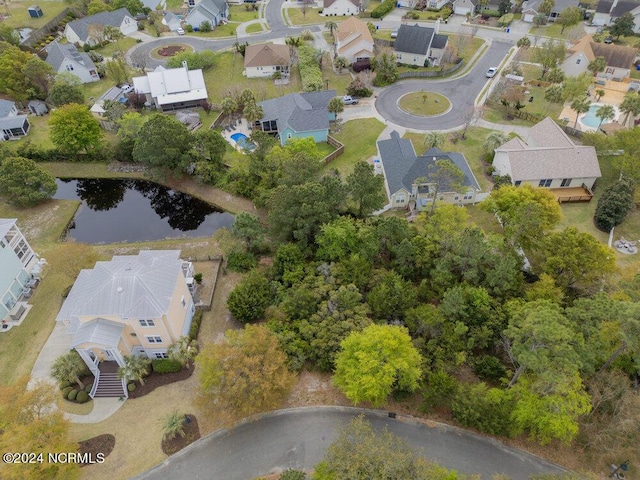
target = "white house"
x: 266, y: 59
x: 67, y: 59
x: 17, y: 261
x: 406, y: 175
x: 12, y: 124
x: 415, y: 45
x: 341, y: 8
x: 618, y: 59
x: 213, y: 11
x: 132, y: 305
x: 172, y: 89
x: 464, y: 7
x: 548, y: 158
x: 91, y: 29
x: 353, y: 40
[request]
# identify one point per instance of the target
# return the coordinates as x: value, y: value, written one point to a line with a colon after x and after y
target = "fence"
x: 205, y: 304
x: 44, y: 31
x: 538, y: 83
x: 381, y: 42
x: 339, y: 150
x: 438, y: 73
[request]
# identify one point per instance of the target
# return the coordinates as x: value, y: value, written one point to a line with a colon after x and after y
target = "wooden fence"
x: 339, y: 150
x: 532, y: 117
x: 47, y: 29
x: 205, y: 304
x: 438, y: 73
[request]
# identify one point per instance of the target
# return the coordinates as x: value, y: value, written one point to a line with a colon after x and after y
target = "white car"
x: 126, y: 88
x: 491, y: 72
x: 180, y: 31
x: 394, y: 33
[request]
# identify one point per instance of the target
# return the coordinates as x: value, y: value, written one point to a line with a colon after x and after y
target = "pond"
x: 124, y: 210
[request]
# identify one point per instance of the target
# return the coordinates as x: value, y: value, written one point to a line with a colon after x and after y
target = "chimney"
x: 437, y: 27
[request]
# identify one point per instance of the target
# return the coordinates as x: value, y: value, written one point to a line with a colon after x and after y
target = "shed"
x: 35, y: 11
x: 37, y: 107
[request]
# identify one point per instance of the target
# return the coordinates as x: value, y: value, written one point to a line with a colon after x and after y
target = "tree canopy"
x: 74, y: 130
x: 163, y: 142
x: 24, y: 183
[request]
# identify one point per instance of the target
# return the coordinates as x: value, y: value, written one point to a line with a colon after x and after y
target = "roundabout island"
x: 424, y: 104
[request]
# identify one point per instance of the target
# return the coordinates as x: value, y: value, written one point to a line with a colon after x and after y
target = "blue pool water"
x: 241, y: 139
x: 590, y: 118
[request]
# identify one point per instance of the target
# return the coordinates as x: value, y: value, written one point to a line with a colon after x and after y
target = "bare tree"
x: 139, y: 60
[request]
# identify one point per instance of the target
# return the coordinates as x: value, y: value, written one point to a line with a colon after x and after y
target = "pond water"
x: 124, y: 210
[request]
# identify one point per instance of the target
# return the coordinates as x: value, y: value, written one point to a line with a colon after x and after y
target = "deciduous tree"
x: 444, y: 174
x: 433, y: 139
x: 163, y: 142
x: 623, y: 25
x: 366, y: 189
x: 62, y: 93
x: 251, y: 297
x: 569, y: 17
x: 74, y: 129
x: 549, y: 54
x: 23, y: 183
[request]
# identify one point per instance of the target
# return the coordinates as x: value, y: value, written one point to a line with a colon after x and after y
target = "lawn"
x: 359, y: 139
x: 20, y: 17
x: 173, y: 4
x: 120, y: 46
x: 255, y: 28
x: 227, y: 75
x: 471, y: 147
x: 228, y: 30
x: 336, y: 81
x: 554, y: 30
x: 539, y: 106
x: 424, y: 104
x: 238, y: 13
x: 93, y: 90
x: 311, y: 17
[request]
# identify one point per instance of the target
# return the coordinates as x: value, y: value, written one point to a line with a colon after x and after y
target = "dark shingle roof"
x: 604, y: 6
x: 115, y: 18
x: 56, y: 53
x: 302, y: 112
x: 624, y: 6
x: 414, y: 39
x: 402, y: 166
x: 439, y: 41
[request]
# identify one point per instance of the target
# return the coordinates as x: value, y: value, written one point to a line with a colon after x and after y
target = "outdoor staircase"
x: 109, y: 385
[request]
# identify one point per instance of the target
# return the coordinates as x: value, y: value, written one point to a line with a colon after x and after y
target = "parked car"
x: 609, y: 39
x: 180, y: 31
x: 126, y: 88
x: 491, y: 72
x: 394, y: 33
x: 349, y: 100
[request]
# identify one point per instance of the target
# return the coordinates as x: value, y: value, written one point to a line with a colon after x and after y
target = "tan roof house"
x: 619, y: 59
x: 353, y: 40
x: 132, y: 305
x: 548, y: 158
x: 266, y: 59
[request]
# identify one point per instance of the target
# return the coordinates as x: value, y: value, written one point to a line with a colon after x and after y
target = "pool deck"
x: 242, y: 127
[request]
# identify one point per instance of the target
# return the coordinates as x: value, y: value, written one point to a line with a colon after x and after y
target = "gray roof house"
x: 298, y: 115
x: 37, y: 107
x: 131, y: 305
x: 530, y: 9
x: 67, y: 58
x: 12, y: 124
x: 91, y: 29
x: 213, y: 11
x: 548, y: 158
x: 406, y: 175
x: 607, y: 11
x: 415, y: 45
x: 172, y: 21
x: 464, y: 7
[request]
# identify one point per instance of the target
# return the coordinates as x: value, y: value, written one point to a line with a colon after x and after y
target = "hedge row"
x: 310, y: 72
x: 614, y: 204
x: 166, y: 365
x: 384, y: 8
x: 505, y: 20
x: 195, y: 325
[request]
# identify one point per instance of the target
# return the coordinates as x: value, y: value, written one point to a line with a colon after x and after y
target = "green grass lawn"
x: 337, y: 81
x: 539, y: 106
x: 120, y: 46
x: 255, y: 28
x: 95, y: 89
x: 530, y: 71
x: 359, y: 139
x: 173, y: 4
x: 554, y: 30
x: 471, y: 147
x: 311, y: 17
x: 238, y: 13
x: 228, y: 30
x: 20, y: 17
x: 227, y: 75
x: 424, y: 104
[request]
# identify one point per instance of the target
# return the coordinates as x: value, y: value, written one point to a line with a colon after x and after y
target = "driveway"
x: 461, y: 92
x: 299, y: 438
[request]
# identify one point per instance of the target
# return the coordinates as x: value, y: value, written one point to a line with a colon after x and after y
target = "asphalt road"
x: 461, y: 92
x: 299, y: 438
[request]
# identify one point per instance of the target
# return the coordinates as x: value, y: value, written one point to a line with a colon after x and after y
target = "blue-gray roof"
x: 115, y: 18
x: 5, y: 107
x: 439, y: 41
x: 101, y: 331
x: 210, y: 9
x: 302, y: 112
x: 414, y: 39
x: 402, y: 166
x: 8, y: 123
x: 57, y: 53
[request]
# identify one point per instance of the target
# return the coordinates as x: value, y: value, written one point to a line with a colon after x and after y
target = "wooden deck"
x: 572, y: 194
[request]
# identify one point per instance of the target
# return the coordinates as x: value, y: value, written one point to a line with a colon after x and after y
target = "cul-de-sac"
x: 320, y: 239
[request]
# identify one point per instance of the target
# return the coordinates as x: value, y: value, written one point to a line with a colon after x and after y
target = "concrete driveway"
x: 461, y: 92
x: 298, y: 438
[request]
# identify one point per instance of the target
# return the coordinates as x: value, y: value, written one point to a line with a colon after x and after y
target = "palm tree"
x: 434, y: 140
x: 630, y: 105
x: 135, y: 368
x: 228, y: 106
x: 494, y: 140
x: 599, y: 94
x: 68, y: 368
x: 605, y: 112
x: 173, y: 425
x: 331, y: 26
x: 340, y: 63
x: 580, y: 105
x: 184, y: 350
x: 252, y: 112
x: 335, y: 106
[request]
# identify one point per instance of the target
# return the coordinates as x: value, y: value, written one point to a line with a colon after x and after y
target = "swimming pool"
x: 591, y: 120
x: 242, y: 142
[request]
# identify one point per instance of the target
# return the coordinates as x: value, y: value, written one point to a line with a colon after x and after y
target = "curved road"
x: 461, y: 91
x: 298, y: 438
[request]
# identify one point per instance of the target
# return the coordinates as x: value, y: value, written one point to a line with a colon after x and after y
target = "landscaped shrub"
x: 72, y: 395
x: 487, y: 409
x: 384, y: 8
x: 195, y: 325
x: 241, y: 261
x: 614, y: 204
x: 357, y: 88
x: 66, y: 391
x: 131, y: 387
x: 360, y: 65
x: 166, y: 365
x: 198, y: 278
x: 310, y: 72
x: 88, y: 387
x: 490, y: 13
x: 293, y: 475
x: 82, y: 397
x: 505, y: 20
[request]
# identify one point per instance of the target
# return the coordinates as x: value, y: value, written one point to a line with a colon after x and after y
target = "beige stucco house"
x: 265, y: 59
x: 548, y: 158
x: 132, y: 305
x: 619, y: 59
x: 353, y: 40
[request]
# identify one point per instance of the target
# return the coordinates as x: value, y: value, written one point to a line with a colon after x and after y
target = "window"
x: 153, y: 339
x: 468, y: 195
x: 21, y: 248
x: 400, y: 198
x: 146, y: 323
x: 518, y: 183
x: 578, y: 61
x: 565, y: 182
x: 69, y: 68
x: 161, y: 355
x: 183, y: 302
x: 545, y: 182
